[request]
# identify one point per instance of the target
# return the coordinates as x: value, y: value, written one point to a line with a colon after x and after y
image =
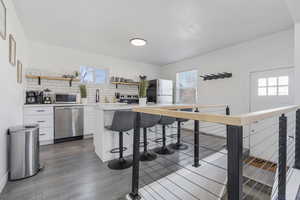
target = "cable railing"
x: 261, y: 166
x: 257, y: 161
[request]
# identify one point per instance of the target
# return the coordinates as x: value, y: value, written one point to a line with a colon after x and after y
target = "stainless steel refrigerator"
x: 160, y: 91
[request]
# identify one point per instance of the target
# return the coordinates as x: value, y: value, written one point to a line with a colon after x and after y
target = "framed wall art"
x: 12, y: 50
x: 19, y: 72
x: 2, y: 20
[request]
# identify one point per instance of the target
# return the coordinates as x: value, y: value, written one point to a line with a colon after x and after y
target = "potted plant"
x: 83, y: 94
x: 143, y: 86
x: 76, y: 74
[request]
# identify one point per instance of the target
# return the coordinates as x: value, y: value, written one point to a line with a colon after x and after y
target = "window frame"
x: 178, y: 89
x: 268, y: 86
x: 94, y: 75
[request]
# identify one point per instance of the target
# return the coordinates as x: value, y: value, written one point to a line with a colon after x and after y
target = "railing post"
x: 227, y: 113
x: 196, y: 142
x: 134, y: 195
x: 235, y: 162
x: 297, y: 141
x: 282, y: 157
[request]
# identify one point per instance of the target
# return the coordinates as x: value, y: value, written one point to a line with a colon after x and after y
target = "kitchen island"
x: 106, y: 140
x: 99, y: 115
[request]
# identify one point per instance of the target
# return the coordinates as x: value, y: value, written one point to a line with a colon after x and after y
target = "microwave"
x: 61, y: 98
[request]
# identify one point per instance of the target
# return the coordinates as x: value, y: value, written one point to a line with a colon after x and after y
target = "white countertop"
x: 102, y: 106
x: 52, y: 105
x: 78, y: 104
x: 113, y: 107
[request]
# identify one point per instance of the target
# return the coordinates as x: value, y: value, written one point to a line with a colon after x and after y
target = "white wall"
x: 52, y: 58
x: 272, y: 51
x: 297, y: 62
x: 11, y: 93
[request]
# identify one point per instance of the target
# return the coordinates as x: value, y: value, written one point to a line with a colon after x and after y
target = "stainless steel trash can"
x: 23, y: 151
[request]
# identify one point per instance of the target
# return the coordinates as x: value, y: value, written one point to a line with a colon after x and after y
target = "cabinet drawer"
x: 46, y: 134
x: 42, y: 121
x: 38, y: 111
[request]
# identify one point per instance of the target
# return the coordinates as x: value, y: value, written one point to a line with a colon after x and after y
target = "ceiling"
x: 174, y: 29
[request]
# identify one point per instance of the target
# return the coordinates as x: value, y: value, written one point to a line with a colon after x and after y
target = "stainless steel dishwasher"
x: 68, y: 123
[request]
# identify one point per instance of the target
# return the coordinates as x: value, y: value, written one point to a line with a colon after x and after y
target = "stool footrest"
x: 174, y: 135
x: 117, y: 150
x: 158, y: 140
x: 142, y: 144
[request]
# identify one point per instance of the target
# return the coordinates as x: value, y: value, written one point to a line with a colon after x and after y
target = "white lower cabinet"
x: 46, y: 135
x: 89, y: 120
x: 44, y: 121
x: 43, y: 116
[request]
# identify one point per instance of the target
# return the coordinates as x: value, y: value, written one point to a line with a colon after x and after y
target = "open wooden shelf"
x: 125, y: 83
x: 53, y: 78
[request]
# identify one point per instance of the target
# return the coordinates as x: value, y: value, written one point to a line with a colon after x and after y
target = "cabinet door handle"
x: 40, y: 121
x: 42, y: 133
x: 40, y: 110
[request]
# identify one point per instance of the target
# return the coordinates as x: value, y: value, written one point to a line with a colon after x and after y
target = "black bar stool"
x: 178, y: 145
x: 122, y: 121
x: 164, y: 121
x: 148, y: 121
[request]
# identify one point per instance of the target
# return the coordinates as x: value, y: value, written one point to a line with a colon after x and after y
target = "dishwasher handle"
x: 68, y: 108
x: 63, y: 108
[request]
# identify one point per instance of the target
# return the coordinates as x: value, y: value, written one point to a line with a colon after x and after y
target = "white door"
x: 269, y: 89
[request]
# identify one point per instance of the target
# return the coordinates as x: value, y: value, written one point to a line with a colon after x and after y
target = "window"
x: 93, y: 75
x: 186, y: 87
x: 273, y: 86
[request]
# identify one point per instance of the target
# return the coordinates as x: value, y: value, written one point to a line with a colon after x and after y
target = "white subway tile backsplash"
x: 107, y: 90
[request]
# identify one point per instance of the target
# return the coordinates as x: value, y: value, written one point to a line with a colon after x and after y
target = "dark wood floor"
x: 74, y: 172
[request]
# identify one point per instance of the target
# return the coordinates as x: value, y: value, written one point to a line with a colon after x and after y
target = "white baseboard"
x: 88, y: 136
x: 3, y: 181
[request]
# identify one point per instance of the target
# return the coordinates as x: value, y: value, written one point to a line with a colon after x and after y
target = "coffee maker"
x: 47, y: 96
x: 34, y: 97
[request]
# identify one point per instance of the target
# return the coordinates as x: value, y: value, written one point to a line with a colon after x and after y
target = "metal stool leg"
x: 179, y: 145
x: 164, y: 150
x: 120, y: 163
x: 147, y: 155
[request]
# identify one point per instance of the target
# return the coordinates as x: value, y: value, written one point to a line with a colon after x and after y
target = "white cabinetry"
x: 90, y: 120
x: 43, y: 116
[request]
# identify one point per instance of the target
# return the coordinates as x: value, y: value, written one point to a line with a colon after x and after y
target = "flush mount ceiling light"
x: 138, y: 42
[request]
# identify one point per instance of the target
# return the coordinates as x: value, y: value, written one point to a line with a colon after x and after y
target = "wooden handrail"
x: 183, y: 106
x: 236, y: 120
x: 264, y: 114
x: 215, y: 118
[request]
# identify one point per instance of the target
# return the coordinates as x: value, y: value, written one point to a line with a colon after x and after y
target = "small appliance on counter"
x: 130, y: 99
x: 39, y: 97
x: 65, y: 98
x: 47, y: 100
x: 48, y: 97
x: 34, y: 97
